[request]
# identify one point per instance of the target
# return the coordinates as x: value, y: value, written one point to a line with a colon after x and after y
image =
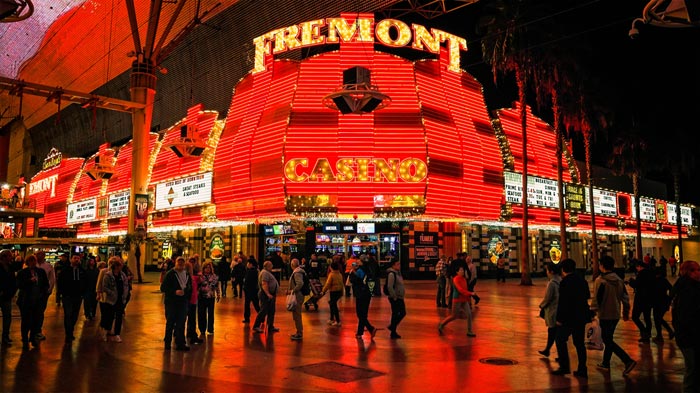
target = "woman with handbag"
x: 548, y: 305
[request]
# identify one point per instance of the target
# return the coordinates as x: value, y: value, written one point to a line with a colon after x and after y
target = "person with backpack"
x: 395, y: 290
x: 363, y: 297
x: 297, y: 281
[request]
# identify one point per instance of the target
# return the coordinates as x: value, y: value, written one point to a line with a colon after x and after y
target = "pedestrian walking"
x: 396, y: 292
x: 660, y: 304
x: 549, y: 304
x: 643, y: 285
x: 460, y: 303
x: 33, y: 285
x: 609, y: 293
x: 363, y: 296
x: 441, y: 280
x: 685, y: 315
x: 471, y: 279
x: 8, y: 288
x: 334, y: 285
x: 72, y: 286
x: 250, y: 289
x: 573, y: 313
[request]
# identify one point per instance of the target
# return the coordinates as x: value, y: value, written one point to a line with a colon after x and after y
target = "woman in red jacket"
x: 460, y: 303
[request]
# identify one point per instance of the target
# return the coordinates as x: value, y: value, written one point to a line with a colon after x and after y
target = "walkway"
x: 330, y: 359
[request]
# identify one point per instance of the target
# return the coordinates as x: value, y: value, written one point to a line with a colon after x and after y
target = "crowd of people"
x: 566, y: 312
x: 82, y: 282
x: 191, y: 288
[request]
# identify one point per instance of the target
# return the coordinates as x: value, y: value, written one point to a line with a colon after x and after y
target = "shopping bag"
x: 291, y: 302
x: 594, y: 336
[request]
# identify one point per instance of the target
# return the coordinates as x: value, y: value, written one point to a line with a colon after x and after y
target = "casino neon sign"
x: 389, y: 32
x: 391, y: 170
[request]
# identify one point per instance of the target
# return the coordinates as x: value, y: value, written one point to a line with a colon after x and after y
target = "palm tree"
x: 504, y: 47
x: 586, y: 115
x: 630, y: 158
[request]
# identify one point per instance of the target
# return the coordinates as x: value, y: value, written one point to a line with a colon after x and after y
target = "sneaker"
x: 603, y: 366
x: 331, y: 323
x: 117, y: 339
x: 471, y: 334
x: 40, y: 336
x: 336, y: 324
x: 296, y: 337
x: 629, y: 366
x: 258, y: 330
x: 210, y: 333
x: 274, y: 330
x: 394, y: 335
x: 544, y: 353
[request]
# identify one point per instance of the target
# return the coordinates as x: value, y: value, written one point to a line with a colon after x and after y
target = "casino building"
x: 354, y: 149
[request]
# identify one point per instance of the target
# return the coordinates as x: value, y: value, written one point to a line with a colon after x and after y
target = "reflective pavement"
x: 501, y: 358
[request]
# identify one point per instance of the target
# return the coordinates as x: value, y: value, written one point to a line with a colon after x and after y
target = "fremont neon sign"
x: 392, y: 170
x: 357, y: 30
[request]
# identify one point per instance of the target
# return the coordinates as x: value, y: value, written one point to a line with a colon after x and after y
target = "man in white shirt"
x: 51, y: 274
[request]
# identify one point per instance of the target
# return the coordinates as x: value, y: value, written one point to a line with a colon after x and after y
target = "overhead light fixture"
x: 357, y: 94
x: 188, y: 145
x: 100, y: 171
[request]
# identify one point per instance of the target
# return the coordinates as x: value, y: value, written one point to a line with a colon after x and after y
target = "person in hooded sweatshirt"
x: 608, y: 293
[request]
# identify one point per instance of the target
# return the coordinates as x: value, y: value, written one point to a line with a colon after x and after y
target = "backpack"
x: 385, y: 288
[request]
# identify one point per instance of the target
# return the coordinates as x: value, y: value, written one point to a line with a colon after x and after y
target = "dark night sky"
x: 652, y: 81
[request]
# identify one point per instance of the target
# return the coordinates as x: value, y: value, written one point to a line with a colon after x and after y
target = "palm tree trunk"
x: 525, y: 278
x: 679, y: 221
x: 594, y: 235
x: 635, y: 187
x: 560, y: 180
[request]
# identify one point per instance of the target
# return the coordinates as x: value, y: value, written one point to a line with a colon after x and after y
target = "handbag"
x: 594, y: 336
x: 291, y: 302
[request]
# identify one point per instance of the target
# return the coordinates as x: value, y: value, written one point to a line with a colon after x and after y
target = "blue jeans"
x: 607, y: 330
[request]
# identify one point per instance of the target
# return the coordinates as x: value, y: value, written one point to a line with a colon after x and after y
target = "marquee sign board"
x: 82, y: 211
x: 186, y: 191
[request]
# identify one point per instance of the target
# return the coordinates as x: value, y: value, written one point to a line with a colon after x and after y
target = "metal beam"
x: 52, y: 93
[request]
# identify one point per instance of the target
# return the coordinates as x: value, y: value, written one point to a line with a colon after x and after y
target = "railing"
x: 18, y: 204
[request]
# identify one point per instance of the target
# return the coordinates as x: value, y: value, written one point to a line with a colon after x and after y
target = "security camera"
x: 633, y: 33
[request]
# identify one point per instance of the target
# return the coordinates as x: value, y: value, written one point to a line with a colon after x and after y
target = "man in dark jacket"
x: 643, y: 286
x: 71, y: 285
x: 223, y: 270
x: 686, y: 319
x: 8, y: 288
x: 573, y: 313
x: 250, y: 288
x: 177, y: 287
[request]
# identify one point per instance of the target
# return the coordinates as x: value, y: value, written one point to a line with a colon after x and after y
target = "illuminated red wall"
x: 436, y: 116
x: 168, y: 166
x: 54, y: 208
x: 121, y: 181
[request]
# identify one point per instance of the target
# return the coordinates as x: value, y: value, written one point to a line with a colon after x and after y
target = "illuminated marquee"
x: 187, y: 191
x: 53, y: 159
x: 410, y: 170
x: 47, y: 184
x: 359, y: 30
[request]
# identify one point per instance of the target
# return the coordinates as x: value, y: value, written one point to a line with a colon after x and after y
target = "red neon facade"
x: 53, y: 202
